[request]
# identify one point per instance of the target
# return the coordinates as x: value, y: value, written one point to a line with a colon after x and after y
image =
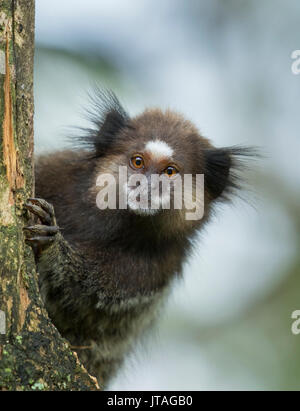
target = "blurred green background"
x: 227, y: 66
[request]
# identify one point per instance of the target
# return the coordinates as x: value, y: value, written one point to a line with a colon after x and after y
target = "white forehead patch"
x: 159, y: 149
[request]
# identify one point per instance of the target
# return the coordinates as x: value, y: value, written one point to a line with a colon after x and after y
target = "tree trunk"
x: 33, y: 355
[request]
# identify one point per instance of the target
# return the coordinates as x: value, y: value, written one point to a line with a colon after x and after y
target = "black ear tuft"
x: 108, y: 117
x: 217, y: 166
x: 223, y: 167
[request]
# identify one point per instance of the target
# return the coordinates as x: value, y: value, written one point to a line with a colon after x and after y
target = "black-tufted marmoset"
x: 104, y: 273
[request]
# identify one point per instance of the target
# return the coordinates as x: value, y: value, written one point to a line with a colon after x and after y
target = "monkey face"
x: 145, y: 177
x: 150, y: 161
x: 149, y: 154
x: 151, y: 177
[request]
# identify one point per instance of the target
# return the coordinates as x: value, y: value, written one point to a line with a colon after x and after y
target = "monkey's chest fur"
x: 102, y: 310
x: 104, y: 277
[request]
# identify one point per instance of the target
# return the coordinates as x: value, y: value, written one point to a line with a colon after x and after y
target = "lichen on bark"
x: 33, y: 355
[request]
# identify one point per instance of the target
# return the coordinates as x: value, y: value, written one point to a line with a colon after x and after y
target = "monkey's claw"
x: 40, y: 236
x: 41, y: 230
x: 40, y: 241
x: 43, y: 210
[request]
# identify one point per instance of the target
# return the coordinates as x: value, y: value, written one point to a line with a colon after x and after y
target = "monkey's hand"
x: 62, y: 269
x: 46, y: 239
x: 40, y: 236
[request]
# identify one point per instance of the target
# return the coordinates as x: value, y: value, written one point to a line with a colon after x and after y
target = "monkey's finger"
x: 40, y: 241
x: 41, y: 230
x: 43, y: 204
x: 39, y: 212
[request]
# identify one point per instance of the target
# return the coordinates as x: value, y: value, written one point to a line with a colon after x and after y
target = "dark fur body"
x: 105, y: 276
x: 126, y: 265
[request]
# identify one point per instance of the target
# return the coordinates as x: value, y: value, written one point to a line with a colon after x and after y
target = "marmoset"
x: 105, y: 272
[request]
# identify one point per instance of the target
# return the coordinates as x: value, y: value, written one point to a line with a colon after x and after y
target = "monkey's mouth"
x: 144, y: 211
x: 142, y: 203
x: 153, y: 206
x: 136, y: 204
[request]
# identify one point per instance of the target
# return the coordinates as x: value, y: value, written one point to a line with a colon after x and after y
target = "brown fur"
x: 107, y: 272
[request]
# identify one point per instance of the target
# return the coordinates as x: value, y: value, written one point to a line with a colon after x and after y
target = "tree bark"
x: 33, y: 355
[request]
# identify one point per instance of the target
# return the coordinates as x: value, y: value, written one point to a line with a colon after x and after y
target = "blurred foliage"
x: 92, y: 63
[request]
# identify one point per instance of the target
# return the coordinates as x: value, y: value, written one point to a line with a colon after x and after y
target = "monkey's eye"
x: 171, y: 171
x: 137, y: 162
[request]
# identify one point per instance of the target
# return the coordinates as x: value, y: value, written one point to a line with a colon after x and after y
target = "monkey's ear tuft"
x: 108, y: 118
x: 223, y: 168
